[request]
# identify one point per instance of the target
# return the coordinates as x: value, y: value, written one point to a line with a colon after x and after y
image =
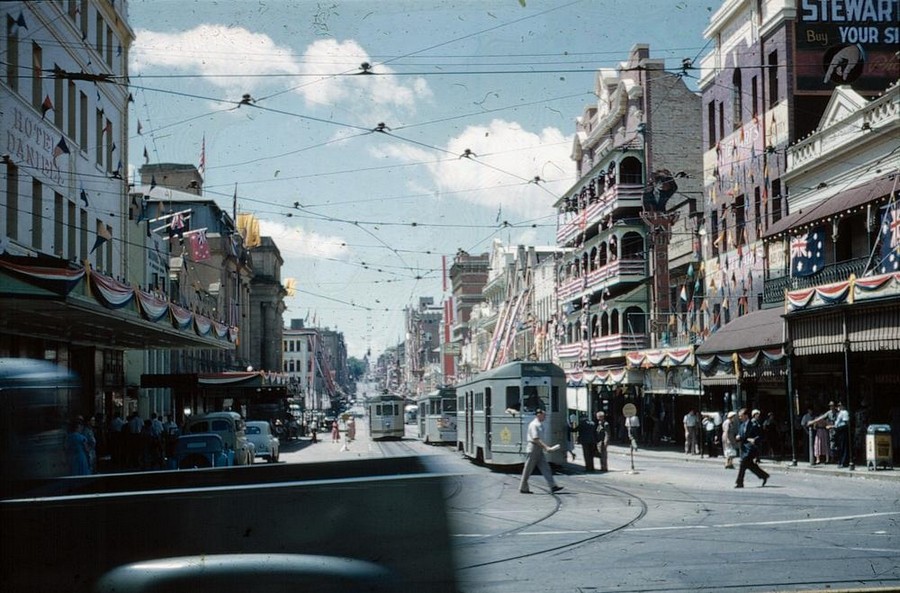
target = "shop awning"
x: 849, y: 199
x: 868, y: 329
x: 757, y: 330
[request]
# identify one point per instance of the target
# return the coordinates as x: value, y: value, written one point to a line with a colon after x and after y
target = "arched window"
x: 632, y: 246
x: 635, y: 321
x: 595, y: 327
x: 593, y: 258
x: 602, y: 254
x: 614, y: 322
x: 604, y: 324
x: 631, y: 170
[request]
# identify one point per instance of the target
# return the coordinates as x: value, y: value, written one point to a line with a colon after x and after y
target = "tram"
x: 495, y: 408
x: 437, y: 416
x: 385, y: 415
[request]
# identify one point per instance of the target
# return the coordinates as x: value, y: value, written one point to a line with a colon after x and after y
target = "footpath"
x: 620, y: 459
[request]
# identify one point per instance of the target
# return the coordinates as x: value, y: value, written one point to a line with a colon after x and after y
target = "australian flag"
x: 890, y: 240
x: 808, y: 253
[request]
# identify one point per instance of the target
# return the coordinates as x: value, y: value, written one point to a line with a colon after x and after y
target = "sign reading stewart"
x: 847, y: 42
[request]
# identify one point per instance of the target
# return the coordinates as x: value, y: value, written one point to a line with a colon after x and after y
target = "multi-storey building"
x: 766, y: 84
x: 67, y: 290
x: 423, y: 340
x: 266, y: 307
x: 635, y: 154
x: 468, y: 275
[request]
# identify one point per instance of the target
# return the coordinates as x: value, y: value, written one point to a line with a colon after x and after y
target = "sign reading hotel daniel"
x: 846, y: 42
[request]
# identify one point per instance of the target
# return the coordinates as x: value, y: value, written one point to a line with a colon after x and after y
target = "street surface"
x: 674, y: 524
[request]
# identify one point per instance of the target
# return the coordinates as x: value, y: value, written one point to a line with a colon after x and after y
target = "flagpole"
x: 234, y: 204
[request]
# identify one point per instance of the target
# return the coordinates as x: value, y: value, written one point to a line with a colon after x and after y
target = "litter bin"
x: 878, y: 446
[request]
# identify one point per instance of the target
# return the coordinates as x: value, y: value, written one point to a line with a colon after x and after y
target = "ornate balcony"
x: 773, y: 288
x: 621, y: 195
x: 603, y: 347
x: 620, y: 270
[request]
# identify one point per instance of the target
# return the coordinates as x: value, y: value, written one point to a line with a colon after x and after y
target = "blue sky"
x: 360, y: 177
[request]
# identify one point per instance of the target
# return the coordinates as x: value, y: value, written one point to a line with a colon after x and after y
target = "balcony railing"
x: 617, y: 271
x: 618, y: 196
x: 773, y: 288
x: 612, y: 345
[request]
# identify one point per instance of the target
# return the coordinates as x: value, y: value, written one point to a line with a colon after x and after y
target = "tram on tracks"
x: 385, y: 415
x: 495, y: 408
x: 437, y: 416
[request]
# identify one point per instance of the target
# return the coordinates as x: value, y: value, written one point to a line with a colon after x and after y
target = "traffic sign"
x: 629, y: 410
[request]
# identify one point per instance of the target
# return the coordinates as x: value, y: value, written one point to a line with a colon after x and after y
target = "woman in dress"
x: 729, y: 444
x: 77, y: 450
x: 821, y: 444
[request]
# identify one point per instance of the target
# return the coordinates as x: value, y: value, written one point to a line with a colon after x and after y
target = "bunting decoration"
x: 146, y: 157
x: 84, y: 198
x: 13, y: 25
x: 61, y: 148
x: 103, y: 235
x: 46, y: 106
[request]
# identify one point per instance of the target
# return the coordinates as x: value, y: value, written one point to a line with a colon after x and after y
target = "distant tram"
x: 385, y: 415
x: 437, y: 416
x: 495, y: 408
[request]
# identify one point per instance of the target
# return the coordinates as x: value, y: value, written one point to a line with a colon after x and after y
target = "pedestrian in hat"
x: 535, y: 455
x: 749, y: 434
x: 729, y: 444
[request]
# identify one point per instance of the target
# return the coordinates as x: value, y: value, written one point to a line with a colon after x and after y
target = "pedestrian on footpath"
x: 535, y: 451
x: 749, y: 434
x: 602, y: 432
x: 691, y: 424
x: 587, y: 437
x: 729, y: 442
x: 335, y: 432
x: 842, y: 435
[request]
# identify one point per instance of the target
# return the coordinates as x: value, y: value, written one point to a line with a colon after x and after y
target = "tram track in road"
x: 560, y: 506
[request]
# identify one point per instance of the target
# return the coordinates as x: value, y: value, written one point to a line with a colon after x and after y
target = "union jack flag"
x: 890, y: 240
x: 808, y: 253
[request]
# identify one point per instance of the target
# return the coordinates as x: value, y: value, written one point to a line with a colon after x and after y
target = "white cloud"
x: 298, y: 243
x: 238, y: 60
x: 506, y: 158
x: 223, y: 55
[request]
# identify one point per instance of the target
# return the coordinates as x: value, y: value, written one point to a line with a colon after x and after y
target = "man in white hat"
x: 729, y: 444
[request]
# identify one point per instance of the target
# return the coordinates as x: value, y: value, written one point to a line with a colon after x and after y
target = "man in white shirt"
x: 691, y: 428
x: 842, y: 435
x: 535, y: 450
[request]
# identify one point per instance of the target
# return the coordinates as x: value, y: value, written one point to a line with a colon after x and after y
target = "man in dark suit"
x: 588, y: 440
x: 748, y: 437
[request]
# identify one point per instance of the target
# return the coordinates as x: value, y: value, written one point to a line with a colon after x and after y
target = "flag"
x: 199, y: 245
x: 202, y: 166
x: 808, y: 253
x: 684, y: 296
x: 103, y: 235
x: 84, y: 197
x: 146, y: 157
x: 140, y: 128
x: 46, y: 106
x: 248, y: 227
x: 176, y: 227
x: 290, y: 287
x: 152, y: 182
x: 13, y: 25
x: 890, y: 240
x: 60, y: 148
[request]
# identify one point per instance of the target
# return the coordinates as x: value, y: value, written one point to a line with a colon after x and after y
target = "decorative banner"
x: 202, y: 325
x: 109, y: 291
x: 60, y: 280
x: 181, y: 317
x: 152, y: 308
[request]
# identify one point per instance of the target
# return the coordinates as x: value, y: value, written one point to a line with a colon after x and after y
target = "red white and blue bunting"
x: 848, y: 291
x: 649, y: 359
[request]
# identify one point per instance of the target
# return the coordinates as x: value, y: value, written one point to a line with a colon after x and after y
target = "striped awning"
x: 867, y: 329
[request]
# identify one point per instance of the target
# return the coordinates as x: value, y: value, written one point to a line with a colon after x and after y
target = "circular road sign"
x: 629, y: 410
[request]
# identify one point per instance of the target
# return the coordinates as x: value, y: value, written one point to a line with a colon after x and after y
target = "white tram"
x: 437, y: 416
x: 495, y: 408
x: 385, y: 415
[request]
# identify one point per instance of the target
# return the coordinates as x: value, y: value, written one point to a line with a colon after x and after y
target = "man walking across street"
x: 535, y: 451
x: 749, y: 434
x: 587, y: 437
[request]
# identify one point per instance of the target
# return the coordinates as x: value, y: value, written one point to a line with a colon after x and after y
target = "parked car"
x: 228, y: 425
x: 259, y: 432
x: 201, y: 450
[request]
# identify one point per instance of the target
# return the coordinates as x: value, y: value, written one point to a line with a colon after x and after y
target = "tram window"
x: 554, y: 399
x: 532, y: 400
x: 479, y: 402
x: 513, y: 398
x: 449, y: 405
x: 378, y: 409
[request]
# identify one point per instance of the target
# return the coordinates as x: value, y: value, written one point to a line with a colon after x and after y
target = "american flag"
x: 890, y: 240
x: 808, y: 253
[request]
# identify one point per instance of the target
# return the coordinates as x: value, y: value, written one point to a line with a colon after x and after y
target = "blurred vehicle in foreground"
x: 201, y: 450
x: 228, y: 425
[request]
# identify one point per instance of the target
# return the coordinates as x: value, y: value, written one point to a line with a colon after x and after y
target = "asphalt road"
x: 674, y: 524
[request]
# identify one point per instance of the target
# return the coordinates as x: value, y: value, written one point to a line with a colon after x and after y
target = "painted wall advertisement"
x: 847, y: 42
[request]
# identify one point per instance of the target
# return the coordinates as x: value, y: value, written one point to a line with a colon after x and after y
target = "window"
x: 109, y: 46
x: 83, y: 120
x: 773, y: 78
x: 714, y: 232
x: 757, y: 212
x: 739, y: 218
x: 12, y: 62
x: 776, y: 200
x: 110, y: 146
x: 84, y: 19
x: 37, y: 211
x: 37, y: 80
x: 58, y: 102
x: 737, y: 102
x: 721, y: 120
x: 12, y: 201
x: 99, y: 29
x: 58, y: 223
x: 711, y: 123
x: 512, y: 398
x: 70, y: 251
x: 754, y: 97
x: 70, y: 109
x: 83, y: 234
x: 98, y: 135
